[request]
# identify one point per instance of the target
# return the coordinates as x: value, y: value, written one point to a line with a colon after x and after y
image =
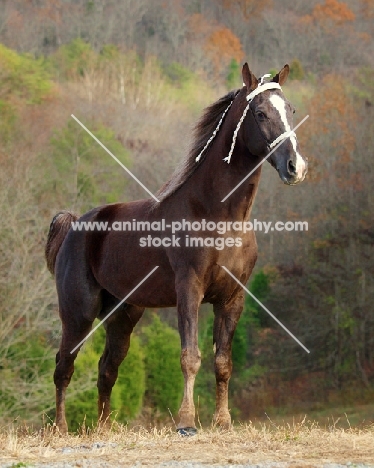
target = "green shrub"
x: 177, y: 73
x: 72, y: 59
x: 26, y: 369
x: 296, y: 70
x: 233, y: 78
x: 84, y: 169
x: 164, y: 380
x: 8, y: 122
x: 23, y: 76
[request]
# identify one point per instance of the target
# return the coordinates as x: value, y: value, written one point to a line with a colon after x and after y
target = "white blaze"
x: 280, y: 106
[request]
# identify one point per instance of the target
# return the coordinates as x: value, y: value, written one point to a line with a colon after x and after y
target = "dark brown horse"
x: 95, y: 270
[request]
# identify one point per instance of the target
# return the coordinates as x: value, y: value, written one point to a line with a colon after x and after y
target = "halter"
x: 262, y: 86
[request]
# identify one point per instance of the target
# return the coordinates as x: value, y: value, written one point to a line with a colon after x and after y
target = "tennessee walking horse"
x: 95, y: 270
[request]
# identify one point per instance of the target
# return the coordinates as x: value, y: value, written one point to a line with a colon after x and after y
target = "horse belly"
x: 123, y: 265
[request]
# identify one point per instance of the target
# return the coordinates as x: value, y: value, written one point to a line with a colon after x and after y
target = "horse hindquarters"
x: 80, y: 301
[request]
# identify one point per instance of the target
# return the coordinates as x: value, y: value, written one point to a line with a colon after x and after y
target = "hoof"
x: 60, y: 429
x: 187, y: 431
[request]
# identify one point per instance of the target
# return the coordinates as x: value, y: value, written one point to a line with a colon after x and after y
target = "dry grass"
x: 302, y: 444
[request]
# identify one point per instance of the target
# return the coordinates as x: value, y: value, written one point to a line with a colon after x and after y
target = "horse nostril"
x: 291, y: 167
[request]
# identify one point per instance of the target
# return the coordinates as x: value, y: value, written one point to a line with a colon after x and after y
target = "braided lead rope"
x: 260, y: 89
x: 214, y: 133
x: 228, y: 158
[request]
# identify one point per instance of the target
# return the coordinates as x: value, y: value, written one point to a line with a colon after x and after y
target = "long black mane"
x: 202, y: 132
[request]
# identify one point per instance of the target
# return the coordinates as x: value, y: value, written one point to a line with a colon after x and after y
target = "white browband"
x: 261, y: 88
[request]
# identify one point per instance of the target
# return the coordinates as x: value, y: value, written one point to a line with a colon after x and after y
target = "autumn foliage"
x: 331, y: 12
x: 249, y: 8
x: 222, y: 46
x: 331, y: 108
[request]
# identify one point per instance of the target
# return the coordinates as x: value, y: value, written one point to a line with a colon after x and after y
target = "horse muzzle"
x: 295, y: 170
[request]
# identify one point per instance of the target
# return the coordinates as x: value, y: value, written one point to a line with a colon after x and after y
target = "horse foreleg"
x: 189, y: 299
x: 225, y: 321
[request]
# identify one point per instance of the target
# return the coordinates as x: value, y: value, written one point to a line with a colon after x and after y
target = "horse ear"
x: 281, y: 77
x: 249, y: 79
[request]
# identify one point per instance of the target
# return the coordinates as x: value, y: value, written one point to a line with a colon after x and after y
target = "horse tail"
x: 60, y: 225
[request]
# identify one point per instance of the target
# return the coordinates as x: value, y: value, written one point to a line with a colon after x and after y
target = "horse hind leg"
x: 73, y: 333
x: 118, y: 327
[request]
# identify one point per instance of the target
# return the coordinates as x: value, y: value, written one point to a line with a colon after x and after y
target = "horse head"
x: 268, y: 125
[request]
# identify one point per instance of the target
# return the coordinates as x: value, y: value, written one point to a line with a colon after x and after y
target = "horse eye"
x: 260, y: 115
x: 294, y: 111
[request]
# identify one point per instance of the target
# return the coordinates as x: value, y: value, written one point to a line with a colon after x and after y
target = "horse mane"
x: 203, y: 130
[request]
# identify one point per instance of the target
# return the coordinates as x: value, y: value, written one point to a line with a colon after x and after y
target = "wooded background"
x: 138, y: 73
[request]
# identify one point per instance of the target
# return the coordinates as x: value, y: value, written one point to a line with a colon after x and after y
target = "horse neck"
x: 215, y: 178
